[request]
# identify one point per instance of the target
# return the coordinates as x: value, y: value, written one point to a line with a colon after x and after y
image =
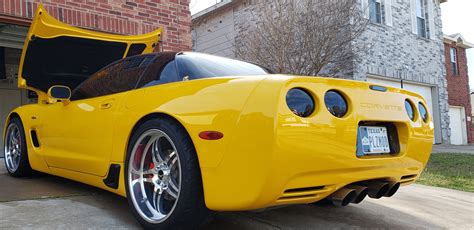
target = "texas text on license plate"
x: 374, y: 140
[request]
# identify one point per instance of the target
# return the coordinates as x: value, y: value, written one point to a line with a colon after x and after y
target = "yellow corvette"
x: 180, y: 134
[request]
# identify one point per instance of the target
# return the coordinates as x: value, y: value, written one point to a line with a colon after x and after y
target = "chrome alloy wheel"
x: 12, y: 147
x: 154, y: 176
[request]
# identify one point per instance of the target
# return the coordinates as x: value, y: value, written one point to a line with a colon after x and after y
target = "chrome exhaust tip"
x: 394, y: 186
x: 378, y: 189
x: 361, y: 193
x: 343, y: 197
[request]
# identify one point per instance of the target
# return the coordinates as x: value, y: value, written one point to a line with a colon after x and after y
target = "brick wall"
x: 116, y: 16
x: 458, y: 86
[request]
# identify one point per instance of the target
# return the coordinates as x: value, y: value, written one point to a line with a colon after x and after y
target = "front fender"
x: 27, y: 116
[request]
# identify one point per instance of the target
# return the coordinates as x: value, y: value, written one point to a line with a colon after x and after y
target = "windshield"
x: 197, y: 66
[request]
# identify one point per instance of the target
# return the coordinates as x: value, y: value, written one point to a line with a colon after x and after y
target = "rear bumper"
x: 277, y: 158
x: 293, y: 178
x: 296, y: 190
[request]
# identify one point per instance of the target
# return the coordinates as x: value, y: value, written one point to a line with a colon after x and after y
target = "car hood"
x: 55, y: 53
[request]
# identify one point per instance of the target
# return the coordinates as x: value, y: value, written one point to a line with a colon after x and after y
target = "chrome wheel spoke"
x: 134, y: 182
x: 156, y: 154
x: 172, y: 193
x: 145, y: 152
x: 173, y: 186
x: 146, y: 172
x: 157, y: 200
x: 154, y: 176
x: 11, y: 137
x: 10, y: 161
x: 135, y: 171
x: 172, y: 162
x: 12, y: 148
x: 16, y: 138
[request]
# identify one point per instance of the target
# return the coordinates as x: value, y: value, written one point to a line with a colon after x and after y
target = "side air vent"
x: 34, y: 139
x: 112, y: 179
x: 409, y: 177
x: 307, y: 189
x: 302, y: 193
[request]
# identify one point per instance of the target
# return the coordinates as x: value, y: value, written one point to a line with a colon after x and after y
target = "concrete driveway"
x: 47, y: 202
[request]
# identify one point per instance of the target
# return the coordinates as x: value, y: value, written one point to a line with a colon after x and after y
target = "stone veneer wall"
x: 397, y: 53
x: 394, y: 52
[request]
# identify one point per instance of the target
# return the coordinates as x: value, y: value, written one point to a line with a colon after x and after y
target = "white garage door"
x: 423, y: 90
x: 9, y: 99
x: 457, y: 126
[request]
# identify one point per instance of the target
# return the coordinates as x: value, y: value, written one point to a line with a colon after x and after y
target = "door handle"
x: 107, y: 105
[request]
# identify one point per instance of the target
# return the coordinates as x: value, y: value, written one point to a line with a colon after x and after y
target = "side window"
x: 118, y: 77
x: 422, y: 18
x: 454, y: 60
x: 162, y: 70
x: 199, y: 66
x: 375, y: 8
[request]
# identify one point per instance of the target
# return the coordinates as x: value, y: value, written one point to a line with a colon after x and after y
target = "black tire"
x: 190, y: 211
x: 24, y: 168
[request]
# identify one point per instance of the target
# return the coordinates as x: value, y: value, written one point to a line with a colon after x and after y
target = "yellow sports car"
x: 180, y: 134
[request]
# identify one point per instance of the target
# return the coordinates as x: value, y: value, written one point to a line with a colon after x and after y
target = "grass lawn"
x: 450, y: 170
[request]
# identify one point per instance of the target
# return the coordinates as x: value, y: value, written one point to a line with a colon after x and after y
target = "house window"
x: 376, y: 11
x: 422, y: 18
x: 454, y: 61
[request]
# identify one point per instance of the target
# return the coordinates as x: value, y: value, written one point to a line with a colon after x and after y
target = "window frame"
x: 378, y: 16
x: 453, y: 59
x: 422, y: 18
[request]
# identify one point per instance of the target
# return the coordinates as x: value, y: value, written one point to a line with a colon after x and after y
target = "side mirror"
x: 59, y: 92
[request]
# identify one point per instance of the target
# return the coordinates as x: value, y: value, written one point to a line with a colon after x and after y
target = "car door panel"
x: 78, y: 135
x: 81, y: 131
x: 79, y: 138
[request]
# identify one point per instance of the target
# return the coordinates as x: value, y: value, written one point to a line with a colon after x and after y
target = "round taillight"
x: 423, y: 112
x: 410, y: 110
x: 300, y: 102
x: 335, y: 103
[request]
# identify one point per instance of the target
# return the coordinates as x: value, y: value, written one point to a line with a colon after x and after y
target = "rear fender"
x: 195, y: 106
x: 239, y: 179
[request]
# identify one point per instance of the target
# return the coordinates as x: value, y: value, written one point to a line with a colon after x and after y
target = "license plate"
x: 374, y: 140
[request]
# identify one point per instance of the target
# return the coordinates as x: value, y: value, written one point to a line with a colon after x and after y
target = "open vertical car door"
x: 55, y: 53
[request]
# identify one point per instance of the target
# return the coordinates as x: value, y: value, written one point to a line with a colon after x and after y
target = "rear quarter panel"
x: 199, y: 105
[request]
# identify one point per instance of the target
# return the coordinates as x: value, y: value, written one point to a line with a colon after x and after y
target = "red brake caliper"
x: 138, y: 155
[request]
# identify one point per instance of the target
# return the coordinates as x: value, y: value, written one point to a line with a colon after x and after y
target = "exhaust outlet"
x: 393, y: 189
x: 378, y: 189
x: 343, y: 197
x: 361, y: 193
